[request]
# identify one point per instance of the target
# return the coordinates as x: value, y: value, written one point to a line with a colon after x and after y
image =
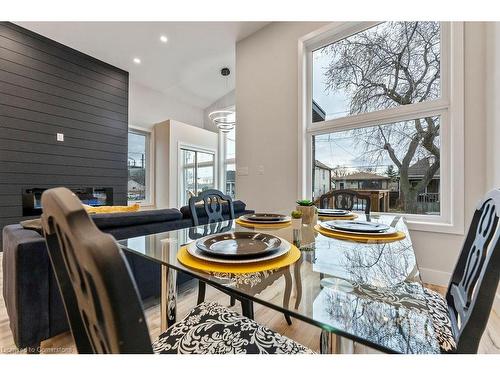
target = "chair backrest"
x: 99, y: 293
x: 212, y: 204
x: 346, y: 200
x: 474, y: 281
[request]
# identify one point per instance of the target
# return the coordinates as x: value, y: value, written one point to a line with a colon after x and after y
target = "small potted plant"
x: 308, y: 210
x: 296, y: 219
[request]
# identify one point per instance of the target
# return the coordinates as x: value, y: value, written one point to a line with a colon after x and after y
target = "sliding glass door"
x: 197, y: 173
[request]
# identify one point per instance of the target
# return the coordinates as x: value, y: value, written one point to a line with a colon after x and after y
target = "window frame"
x: 195, y: 148
x: 150, y: 183
x: 223, y: 163
x: 449, y: 106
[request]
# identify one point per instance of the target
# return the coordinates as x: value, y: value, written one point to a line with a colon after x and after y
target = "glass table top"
x: 369, y: 292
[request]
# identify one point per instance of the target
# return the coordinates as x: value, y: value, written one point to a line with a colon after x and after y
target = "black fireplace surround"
x: 89, y: 195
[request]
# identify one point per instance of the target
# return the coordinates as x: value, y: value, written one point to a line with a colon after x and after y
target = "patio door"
x: 197, y: 173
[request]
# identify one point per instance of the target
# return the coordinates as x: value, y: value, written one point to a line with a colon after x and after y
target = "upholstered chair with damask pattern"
x: 103, y: 305
x: 460, y: 318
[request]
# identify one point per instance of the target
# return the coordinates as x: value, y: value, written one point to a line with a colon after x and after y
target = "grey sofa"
x: 31, y: 294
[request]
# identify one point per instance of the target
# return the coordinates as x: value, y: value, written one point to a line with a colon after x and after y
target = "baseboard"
x: 435, y: 277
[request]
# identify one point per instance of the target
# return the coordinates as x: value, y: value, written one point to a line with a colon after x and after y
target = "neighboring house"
x: 362, y: 181
x: 135, y: 187
x: 416, y: 173
x: 322, y: 178
x: 318, y: 114
x: 230, y: 183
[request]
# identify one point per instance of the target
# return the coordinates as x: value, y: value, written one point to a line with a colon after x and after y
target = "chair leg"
x: 288, y: 319
x: 247, y: 308
x: 202, y: 287
x: 232, y: 301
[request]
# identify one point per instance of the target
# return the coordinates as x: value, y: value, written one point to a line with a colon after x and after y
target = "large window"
x: 197, y: 173
x: 380, y: 117
x: 230, y: 162
x: 138, y: 167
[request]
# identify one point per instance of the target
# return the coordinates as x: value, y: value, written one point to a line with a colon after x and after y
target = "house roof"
x: 361, y: 176
x: 321, y: 165
x: 318, y: 113
x: 420, y: 167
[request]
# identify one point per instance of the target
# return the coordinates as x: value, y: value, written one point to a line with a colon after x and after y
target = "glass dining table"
x: 357, y: 292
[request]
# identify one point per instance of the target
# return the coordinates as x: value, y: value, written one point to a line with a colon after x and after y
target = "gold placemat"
x: 262, y: 226
x: 202, y: 265
x: 349, y: 217
x: 398, y: 236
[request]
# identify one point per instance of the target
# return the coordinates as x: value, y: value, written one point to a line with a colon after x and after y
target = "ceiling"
x: 187, y: 67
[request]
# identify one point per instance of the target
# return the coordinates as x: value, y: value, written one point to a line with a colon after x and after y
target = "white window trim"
x: 150, y: 200
x: 192, y: 147
x: 222, y: 166
x: 450, y: 107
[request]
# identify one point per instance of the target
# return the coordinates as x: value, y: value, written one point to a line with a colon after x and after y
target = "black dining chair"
x: 102, y: 302
x: 212, y: 203
x: 345, y: 199
x: 460, y: 318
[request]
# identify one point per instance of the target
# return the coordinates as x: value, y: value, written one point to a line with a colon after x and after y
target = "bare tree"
x: 392, y: 64
x: 340, y: 171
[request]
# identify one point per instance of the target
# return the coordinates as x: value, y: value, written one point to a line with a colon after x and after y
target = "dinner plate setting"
x: 264, y: 220
x: 359, y: 230
x: 333, y: 213
x: 238, y: 247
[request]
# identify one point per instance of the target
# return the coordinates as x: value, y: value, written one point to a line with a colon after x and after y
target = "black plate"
x: 264, y: 217
x: 239, y: 244
x: 358, y: 226
x: 333, y: 212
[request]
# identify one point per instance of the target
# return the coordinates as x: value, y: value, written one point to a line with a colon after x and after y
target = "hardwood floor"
x: 304, y: 333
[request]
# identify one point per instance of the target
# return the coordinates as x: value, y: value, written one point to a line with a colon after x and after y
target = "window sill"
x: 435, y: 227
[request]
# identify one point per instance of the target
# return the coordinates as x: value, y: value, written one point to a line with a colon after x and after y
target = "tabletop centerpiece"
x: 309, y: 211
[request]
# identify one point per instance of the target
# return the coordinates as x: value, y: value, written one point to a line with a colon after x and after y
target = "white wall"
x: 493, y: 103
x: 226, y: 101
x: 169, y: 135
x: 266, y: 114
x: 267, y: 134
x: 148, y: 107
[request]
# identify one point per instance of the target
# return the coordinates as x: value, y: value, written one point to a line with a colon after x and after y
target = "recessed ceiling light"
x: 164, y: 39
x: 137, y: 60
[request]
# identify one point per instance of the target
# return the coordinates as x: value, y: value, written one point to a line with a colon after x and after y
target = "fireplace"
x: 89, y: 195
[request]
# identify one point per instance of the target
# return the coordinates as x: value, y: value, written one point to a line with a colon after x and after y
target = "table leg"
x: 329, y: 343
x: 168, y: 300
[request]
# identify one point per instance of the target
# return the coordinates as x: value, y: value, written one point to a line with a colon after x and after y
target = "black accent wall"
x: 48, y: 88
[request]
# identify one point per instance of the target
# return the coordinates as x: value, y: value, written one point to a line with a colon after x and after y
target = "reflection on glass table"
x: 368, y: 292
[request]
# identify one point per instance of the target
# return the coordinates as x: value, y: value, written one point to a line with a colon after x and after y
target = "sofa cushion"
x: 123, y: 219
x: 238, y: 207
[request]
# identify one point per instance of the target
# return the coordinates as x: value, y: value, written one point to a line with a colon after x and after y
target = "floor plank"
x: 300, y: 331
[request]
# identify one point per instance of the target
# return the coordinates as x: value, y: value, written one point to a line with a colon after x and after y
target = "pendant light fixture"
x: 223, y: 119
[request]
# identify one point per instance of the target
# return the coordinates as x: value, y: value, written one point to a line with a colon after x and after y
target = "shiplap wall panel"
x: 48, y: 88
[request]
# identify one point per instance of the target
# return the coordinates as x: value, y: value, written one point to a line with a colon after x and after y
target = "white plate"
x: 391, y: 230
x: 285, y: 221
x: 197, y: 253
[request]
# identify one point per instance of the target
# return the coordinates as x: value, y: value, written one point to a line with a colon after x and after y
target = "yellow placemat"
x: 398, y: 236
x: 190, y: 261
x: 263, y: 226
x: 350, y: 217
